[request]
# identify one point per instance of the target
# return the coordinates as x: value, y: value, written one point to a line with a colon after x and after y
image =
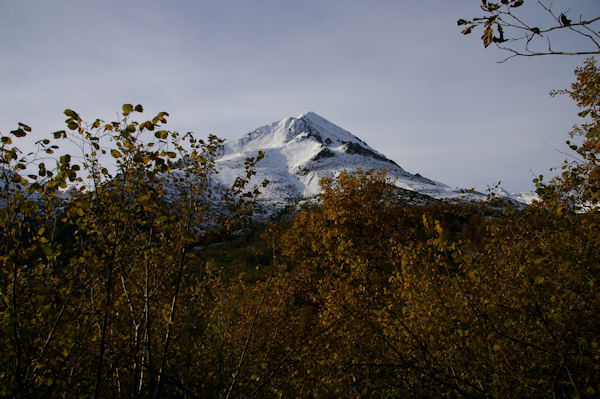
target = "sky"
x: 397, y: 74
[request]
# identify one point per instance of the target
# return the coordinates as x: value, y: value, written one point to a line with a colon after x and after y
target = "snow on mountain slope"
x: 300, y: 151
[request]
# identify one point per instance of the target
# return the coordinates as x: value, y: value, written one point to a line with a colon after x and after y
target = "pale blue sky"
x: 396, y: 73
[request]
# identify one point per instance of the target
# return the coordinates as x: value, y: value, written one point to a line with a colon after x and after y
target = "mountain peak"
x: 310, y: 115
x: 308, y: 126
x: 300, y: 151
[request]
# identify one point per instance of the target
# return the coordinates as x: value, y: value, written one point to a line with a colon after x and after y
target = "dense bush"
x: 102, y: 292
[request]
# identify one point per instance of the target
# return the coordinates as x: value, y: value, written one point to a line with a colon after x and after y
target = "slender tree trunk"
x: 107, y: 302
x: 146, y: 361
x: 252, y: 326
x: 170, y: 322
x: 15, y: 325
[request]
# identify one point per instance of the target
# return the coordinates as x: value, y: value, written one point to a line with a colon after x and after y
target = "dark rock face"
x: 316, y: 136
x: 302, y: 172
x: 324, y: 153
x: 355, y: 148
x: 303, y: 126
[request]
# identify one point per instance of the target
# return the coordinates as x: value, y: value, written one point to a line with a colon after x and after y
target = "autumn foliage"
x: 127, y: 280
x: 444, y: 300
x: 99, y: 277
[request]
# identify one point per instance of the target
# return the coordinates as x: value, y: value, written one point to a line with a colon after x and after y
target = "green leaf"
x: 139, y: 108
x: 24, y: 127
x: 47, y: 251
x: 584, y: 113
x: 161, y: 134
x: 115, y: 153
x: 65, y: 159
x: 42, y: 169
x: 19, y: 133
x: 71, y: 114
x: 127, y: 109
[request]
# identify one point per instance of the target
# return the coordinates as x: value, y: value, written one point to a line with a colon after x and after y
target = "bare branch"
x: 505, y: 25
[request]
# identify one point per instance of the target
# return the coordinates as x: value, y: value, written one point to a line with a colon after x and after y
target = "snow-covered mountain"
x: 300, y: 151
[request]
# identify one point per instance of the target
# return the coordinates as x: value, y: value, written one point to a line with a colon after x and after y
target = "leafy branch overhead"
x: 505, y: 24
